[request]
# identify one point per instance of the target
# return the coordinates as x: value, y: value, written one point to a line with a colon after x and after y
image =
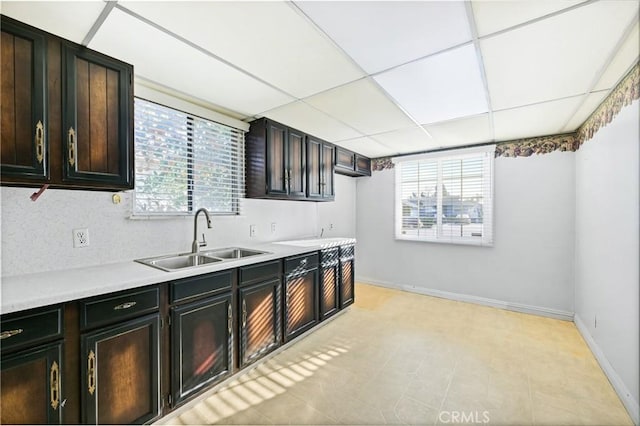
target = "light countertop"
x: 28, y: 291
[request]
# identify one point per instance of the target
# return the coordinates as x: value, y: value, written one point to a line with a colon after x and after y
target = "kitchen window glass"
x: 184, y: 162
x: 445, y: 196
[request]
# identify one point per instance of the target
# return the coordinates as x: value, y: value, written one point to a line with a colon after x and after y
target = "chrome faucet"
x: 195, y: 246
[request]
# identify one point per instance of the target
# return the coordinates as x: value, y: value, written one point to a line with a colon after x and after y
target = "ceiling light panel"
x: 556, y: 57
x: 363, y: 106
x: 270, y: 40
x: 406, y: 140
x: 492, y: 16
x: 542, y: 119
x: 382, y: 34
x: 438, y: 88
x: 589, y: 105
x: 465, y: 131
x: 622, y: 62
x: 68, y: 19
x: 368, y: 147
x: 163, y: 59
x: 309, y: 120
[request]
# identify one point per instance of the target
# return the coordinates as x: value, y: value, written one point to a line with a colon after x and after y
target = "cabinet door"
x: 120, y: 373
x: 23, y: 150
x: 296, y: 172
x: 201, y: 334
x: 328, y: 162
x: 276, y: 159
x: 31, y: 387
x: 300, y: 303
x: 329, y: 290
x: 98, y: 119
x: 260, y: 320
x: 363, y: 165
x: 345, y: 160
x: 346, y: 282
x: 314, y: 164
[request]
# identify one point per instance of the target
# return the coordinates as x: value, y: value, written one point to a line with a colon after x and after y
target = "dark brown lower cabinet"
x: 201, y: 342
x: 300, y: 295
x: 329, y: 280
x: 31, y: 386
x: 120, y: 371
x: 347, y: 276
x: 259, y: 320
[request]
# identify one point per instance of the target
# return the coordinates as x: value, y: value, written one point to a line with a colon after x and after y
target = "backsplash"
x: 37, y: 236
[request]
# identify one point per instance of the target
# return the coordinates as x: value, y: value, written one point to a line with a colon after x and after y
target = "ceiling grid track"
x: 108, y: 7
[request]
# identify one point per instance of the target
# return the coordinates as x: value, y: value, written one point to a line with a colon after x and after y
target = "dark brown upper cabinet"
x: 98, y: 145
x: 23, y: 117
x: 320, y: 165
x: 352, y: 164
x: 67, y: 113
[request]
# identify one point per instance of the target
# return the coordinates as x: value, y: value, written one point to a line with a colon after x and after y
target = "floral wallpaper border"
x: 627, y: 91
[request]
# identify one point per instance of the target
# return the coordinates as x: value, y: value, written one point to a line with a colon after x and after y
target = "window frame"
x: 487, y: 152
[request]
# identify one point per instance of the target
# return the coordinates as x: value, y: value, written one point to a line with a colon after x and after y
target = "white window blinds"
x: 184, y: 162
x: 446, y: 196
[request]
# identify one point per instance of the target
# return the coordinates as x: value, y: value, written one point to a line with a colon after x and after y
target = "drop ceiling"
x: 380, y: 78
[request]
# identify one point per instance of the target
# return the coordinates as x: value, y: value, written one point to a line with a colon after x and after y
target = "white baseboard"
x: 632, y: 406
x: 517, y: 307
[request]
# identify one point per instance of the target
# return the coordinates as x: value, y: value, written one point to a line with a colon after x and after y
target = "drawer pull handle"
x: 91, y: 372
x: 304, y: 261
x: 40, y: 142
x: 229, y: 320
x: 125, y: 305
x: 10, y: 333
x: 244, y: 313
x: 71, y: 146
x: 55, y: 386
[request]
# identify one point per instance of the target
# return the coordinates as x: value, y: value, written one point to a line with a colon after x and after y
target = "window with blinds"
x: 184, y: 162
x: 446, y: 196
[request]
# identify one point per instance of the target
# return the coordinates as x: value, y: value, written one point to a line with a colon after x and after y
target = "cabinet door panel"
x: 120, y: 373
x: 327, y: 171
x: 297, y: 164
x: 276, y: 159
x: 329, y: 294
x: 23, y: 137
x: 346, y: 282
x: 31, y: 387
x: 98, y: 109
x: 314, y: 168
x: 301, y: 311
x: 201, y: 345
x: 260, y: 320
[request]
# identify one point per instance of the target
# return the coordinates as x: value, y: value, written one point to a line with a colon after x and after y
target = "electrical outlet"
x: 80, y: 237
x: 252, y: 230
x: 331, y: 227
x: 273, y: 227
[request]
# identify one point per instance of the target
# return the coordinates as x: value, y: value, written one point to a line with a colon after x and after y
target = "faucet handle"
x: 203, y: 243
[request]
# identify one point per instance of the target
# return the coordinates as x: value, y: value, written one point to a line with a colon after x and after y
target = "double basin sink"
x: 175, y: 262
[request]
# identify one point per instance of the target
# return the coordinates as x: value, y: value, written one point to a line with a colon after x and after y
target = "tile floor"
x: 403, y: 358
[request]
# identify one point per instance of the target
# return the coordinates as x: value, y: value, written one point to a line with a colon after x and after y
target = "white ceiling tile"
x: 363, y: 106
x: 67, y: 19
x: 441, y: 87
x: 464, y: 131
x: 271, y: 40
x: 163, y: 59
x: 492, y: 16
x: 589, y: 104
x: 368, y: 147
x: 307, y: 119
x: 622, y: 62
x: 556, y: 57
x: 542, y: 119
x: 382, y: 34
x: 413, y: 139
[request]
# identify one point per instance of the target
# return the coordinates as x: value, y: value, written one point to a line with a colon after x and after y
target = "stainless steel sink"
x: 192, y: 260
x: 232, y: 253
x: 180, y: 261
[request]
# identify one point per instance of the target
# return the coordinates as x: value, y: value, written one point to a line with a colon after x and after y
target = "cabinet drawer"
x: 347, y: 252
x: 113, y: 308
x: 260, y: 272
x: 202, y: 285
x: 329, y: 256
x: 300, y: 263
x: 26, y: 328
